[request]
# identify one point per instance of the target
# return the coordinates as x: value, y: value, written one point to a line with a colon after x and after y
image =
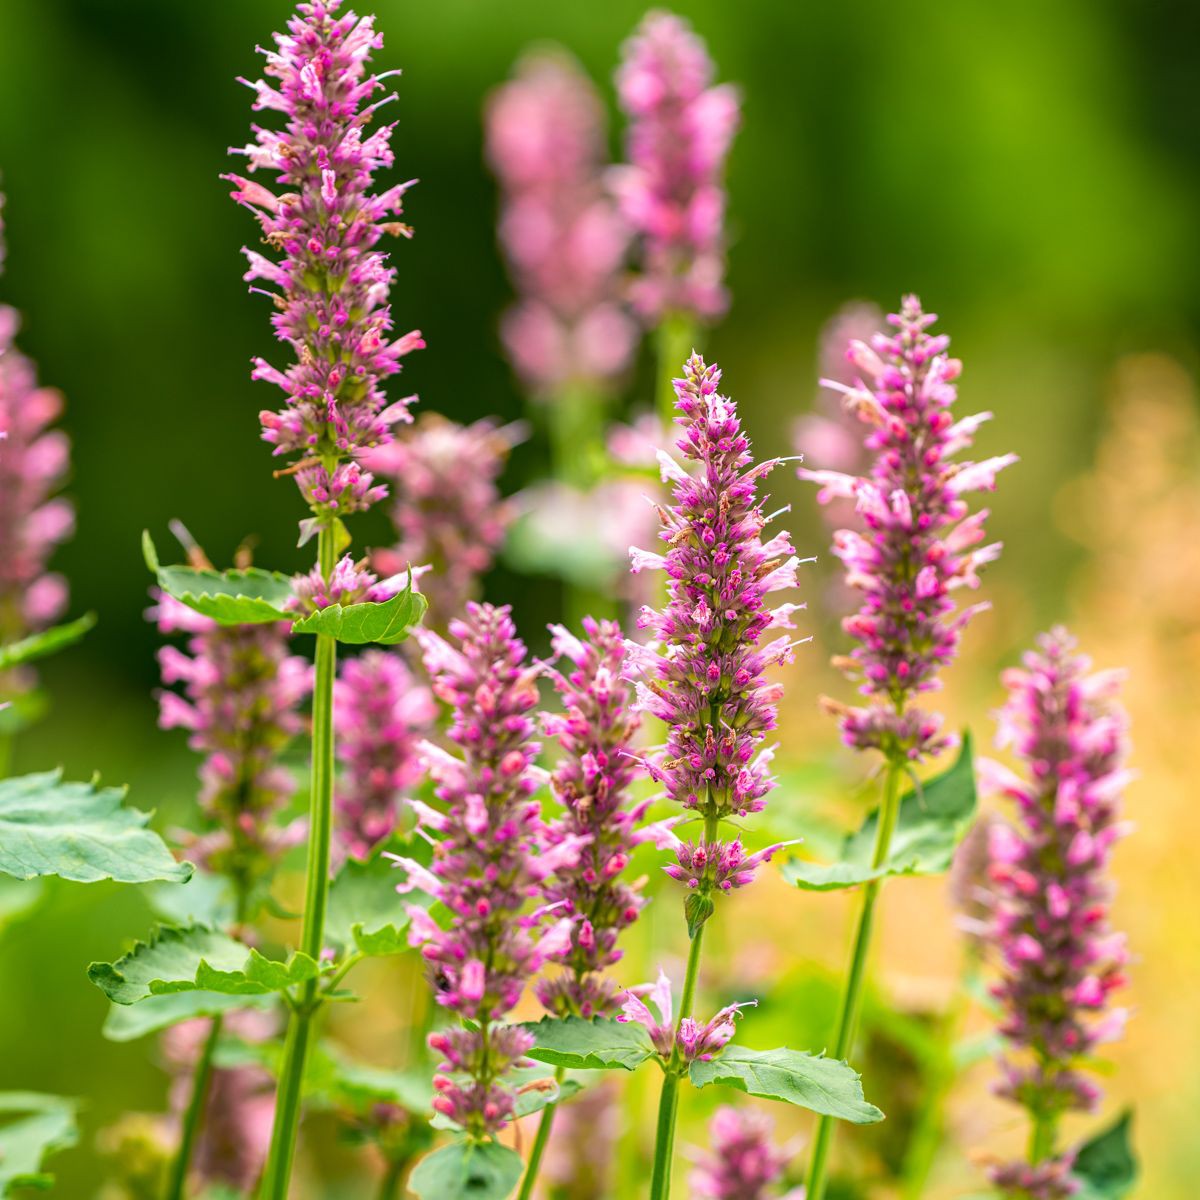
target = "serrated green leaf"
x: 467, y: 1171
x: 929, y: 827
x: 385, y: 623
x: 365, y: 911
x: 601, y: 1043
x: 1105, y: 1165
x: 206, y: 899
x: 48, y: 641
x: 246, y: 597
x: 822, y: 1085
x: 79, y: 831
x: 47, y: 1126
x: 197, y: 959
x: 126, y: 1022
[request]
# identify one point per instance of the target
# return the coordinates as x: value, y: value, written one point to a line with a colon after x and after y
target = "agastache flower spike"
x: 381, y: 712
x: 742, y: 1162
x: 331, y: 283
x: 1059, y: 959
x: 592, y: 782
x: 33, y: 465
x: 918, y: 545
x: 561, y: 233
x: 486, y: 864
x: 672, y: 190
x: 241, y: 690
x: 708, y: 685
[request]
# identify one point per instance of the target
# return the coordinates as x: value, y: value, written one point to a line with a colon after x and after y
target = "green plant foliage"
x: 79, y: 831
x: 365, y: 912
x: 822, y: 1085
x: 248, y: 597
x: 467, y: 1171
x: 1105, y: 1165
x: 18, y: 898
x: 47, y: 642
x: 931, y: 823
x: 385, y: 623
x: 126, y: 1022
x: 587, y: 1045
x: 32, y: 1127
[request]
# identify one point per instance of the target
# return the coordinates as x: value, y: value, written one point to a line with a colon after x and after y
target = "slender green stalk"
x: 675, y: 342
x: 389, y: 1185
x: 852, y: 996
x: 177, y: 1182
x: 277, y: 1173
x: 539, y: 1144
x: 1042, y: 1137
x: 6, y: 754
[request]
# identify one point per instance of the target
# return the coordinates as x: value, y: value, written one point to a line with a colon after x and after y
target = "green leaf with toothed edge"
x: 1105, y: 1165
x: 127, y: 1022
x: 822, y: 1085
x: 599, y: 1043
x: 48, y: 641
x: 385, y: 623
x: 467, y: 1171
x: 197, y: 959
x: 78, y: 831
x: 931, y: 823
x: 365, y: 912
x: 246, y: 597
x: 41, y: 1126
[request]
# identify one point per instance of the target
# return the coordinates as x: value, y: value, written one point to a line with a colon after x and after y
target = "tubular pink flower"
x: 448, y: 511
x: 33, y: 465
x: 708, y: 684
x: 380, y: 712
x: 561, y: 233
x: 672, y: 190
x: 592, y: 781
x: 331, y: 283
x: 486, y: 865
x: 1060, y: 961
x: 917, y: 544
x: 240, y: 691
x: 348, y: 583
x: 742, y: 1162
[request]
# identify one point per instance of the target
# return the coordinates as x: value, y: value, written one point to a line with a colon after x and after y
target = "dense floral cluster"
x: 1060, y: 960
x: 332, y: 281
x: 488, y: 862
x: 241, y: 692
x: 33, y: 464
x: 592, y: 781
x: 918, y: 545
x: 561, y: 233
x: 448, y: 511
x: 348, y: 583
x: 708, y: 682
x: 380, y: 712
x: 672, y: 190
x: 697, y: 1041
x: 742, y: 1162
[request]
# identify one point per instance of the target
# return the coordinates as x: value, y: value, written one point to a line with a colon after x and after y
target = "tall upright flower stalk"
x: 671, y: 190
x: 331, y: 286
x: 706, y: 677
x: 916, y: 547
x: 1060, y: 961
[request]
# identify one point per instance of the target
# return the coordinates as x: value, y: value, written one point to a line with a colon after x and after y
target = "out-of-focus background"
x: 1031, y: 169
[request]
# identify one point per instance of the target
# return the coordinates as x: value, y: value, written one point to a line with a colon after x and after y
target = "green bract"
x: 42, y: 1126
x: 587, y: 1045
x: 467, y: 1171
x: 931, y: 823
x: 79, y: 831
x: 822, y: 1085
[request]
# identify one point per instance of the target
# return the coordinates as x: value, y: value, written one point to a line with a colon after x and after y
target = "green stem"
x: 177, y: 1183
x: 6, y: 754
x: 389, y: 1185
x: 1042, y: 1137
x: 852, y: 996
x: 277, y: 1173
x: 675, y: 342
x: 539, y: 1144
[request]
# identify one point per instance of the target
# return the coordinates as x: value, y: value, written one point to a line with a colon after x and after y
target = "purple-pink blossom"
x: 562, y: 235
x: 917, y: 544
x: 34, y: 459
x: 742, y: 1162
x: 448, y: 511
x: 381, y: 713
x: 706, y: 679
x: 1059, y: 958
x: 349, y: 583
x: 240, y: 691
x: 488, y: 863
x: 698, y: 1041
x: 330, y: 282
x: 592, y: 781
x: 672, y: 189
